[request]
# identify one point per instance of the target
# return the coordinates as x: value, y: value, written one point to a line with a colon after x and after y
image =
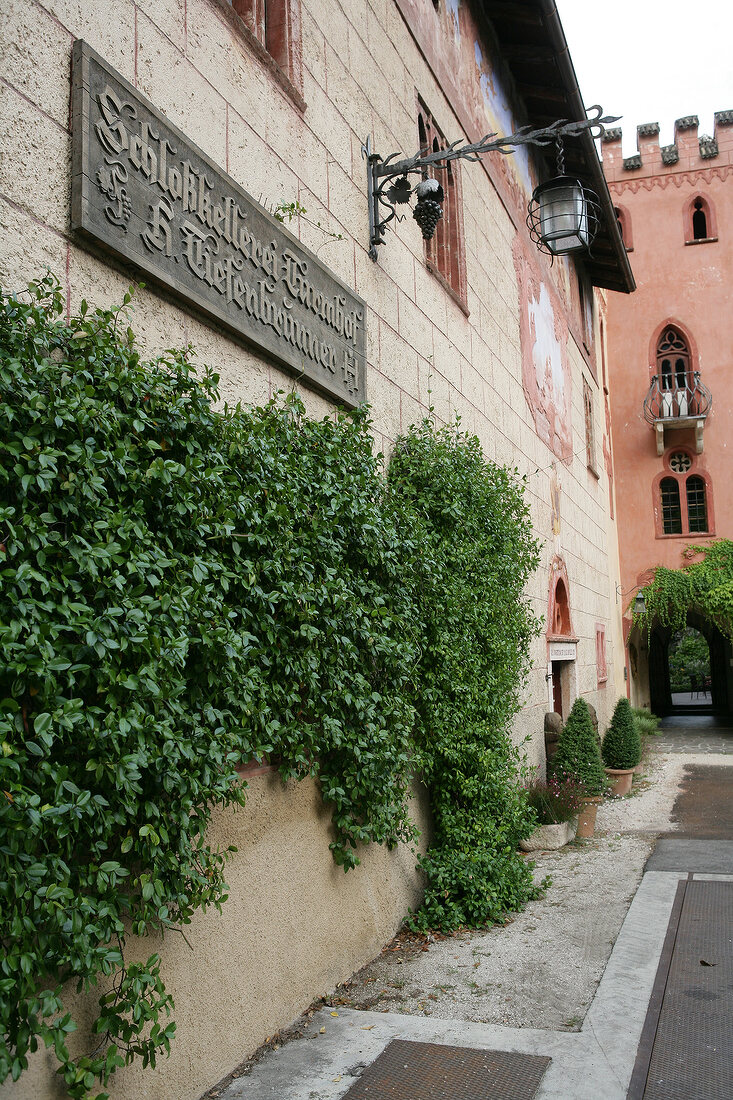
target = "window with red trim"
x: 683, y: 498
x: 697, y: 509
x: 601, y: 666
x: 276, y: 26
x: 673, y: 362
x: 624, y: 224
x: 590, y: 431
x: 700, y: 222
x: 445, y: 252
x: 671, y: 511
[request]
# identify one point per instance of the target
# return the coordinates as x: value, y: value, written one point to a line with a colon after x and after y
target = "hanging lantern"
x: 563, y: 216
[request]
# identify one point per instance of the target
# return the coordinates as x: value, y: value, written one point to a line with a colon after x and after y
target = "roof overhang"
x: 532, y: 42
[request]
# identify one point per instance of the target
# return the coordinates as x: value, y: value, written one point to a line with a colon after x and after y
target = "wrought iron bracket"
x: 388, y: 185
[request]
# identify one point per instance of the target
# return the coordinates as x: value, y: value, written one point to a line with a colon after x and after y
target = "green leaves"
x: 621, y: 746
x: 578, y: 755
x: 182, y: 589
x: 472, y: 553
x: 704, y: 585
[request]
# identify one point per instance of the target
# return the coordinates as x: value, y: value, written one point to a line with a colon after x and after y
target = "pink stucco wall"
x: 686, y: 284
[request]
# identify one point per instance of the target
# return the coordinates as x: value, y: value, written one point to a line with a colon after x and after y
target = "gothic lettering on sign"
x: 143, y: 192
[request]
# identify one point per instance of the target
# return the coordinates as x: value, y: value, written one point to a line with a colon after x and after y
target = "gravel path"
x: 540, y: 970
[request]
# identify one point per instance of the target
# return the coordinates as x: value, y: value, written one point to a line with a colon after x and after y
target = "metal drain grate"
x: 692, y: 1056
x: 428, y: 1071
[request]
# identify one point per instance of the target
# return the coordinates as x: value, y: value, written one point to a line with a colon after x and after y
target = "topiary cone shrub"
x: 621, y: 746
x: 578, y: 756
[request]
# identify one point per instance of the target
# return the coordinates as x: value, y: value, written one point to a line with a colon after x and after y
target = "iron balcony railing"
x: 673, y: 403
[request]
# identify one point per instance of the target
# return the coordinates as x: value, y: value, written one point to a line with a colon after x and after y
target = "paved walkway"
x: 692, y: 733
x: 636, y: 1043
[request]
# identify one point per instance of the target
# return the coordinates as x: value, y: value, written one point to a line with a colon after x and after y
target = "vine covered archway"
x: 697, y: 598
x: 689, y: 667
x: 680, y: 680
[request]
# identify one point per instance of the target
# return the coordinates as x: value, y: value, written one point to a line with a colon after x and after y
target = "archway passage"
x: 690, y: 681
x: 690, y: 670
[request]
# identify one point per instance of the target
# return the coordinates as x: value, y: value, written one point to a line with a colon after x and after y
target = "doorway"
x: 689, y: 669
x: 683, y: 678
x: 563, y: 686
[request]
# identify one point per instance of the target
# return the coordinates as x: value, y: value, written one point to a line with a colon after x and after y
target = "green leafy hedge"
x: 578, y: 755
x: 475, y: 555
x: 621, y: 746
x: 182, y: 589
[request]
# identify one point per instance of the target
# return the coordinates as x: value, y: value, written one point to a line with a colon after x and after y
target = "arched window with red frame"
x: 683, y: 504
x: 676, y: 377
x: 624, y: 223
x: 700, y: 221
x: 697, y: 511
x: 671, y: 512
x: 673, y: 360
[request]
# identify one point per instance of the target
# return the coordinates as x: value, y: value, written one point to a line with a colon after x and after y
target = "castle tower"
x: 670, y: 359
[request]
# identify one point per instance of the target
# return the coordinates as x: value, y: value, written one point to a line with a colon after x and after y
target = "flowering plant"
x: 556, y: 800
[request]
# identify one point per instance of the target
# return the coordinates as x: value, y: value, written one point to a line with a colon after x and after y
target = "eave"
x: 532, y: 42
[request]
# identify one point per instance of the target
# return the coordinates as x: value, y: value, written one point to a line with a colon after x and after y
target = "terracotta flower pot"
x: 549, y: 837
x: 587, y: 817
x: 620, y: 780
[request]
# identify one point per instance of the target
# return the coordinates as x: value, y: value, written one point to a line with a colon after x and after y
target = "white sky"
x: 652, y: 60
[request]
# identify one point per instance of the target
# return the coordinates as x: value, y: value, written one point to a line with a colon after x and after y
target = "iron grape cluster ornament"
x: 429, y: 207
x: 388, y: 185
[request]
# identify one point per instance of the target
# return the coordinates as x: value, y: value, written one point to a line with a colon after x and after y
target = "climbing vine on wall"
x: 703, y: 585
x: 183, y: 589
x: 475, y: 553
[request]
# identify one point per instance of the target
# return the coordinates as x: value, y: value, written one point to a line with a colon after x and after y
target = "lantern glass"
x: 639, y: 604
x: 563, y: 215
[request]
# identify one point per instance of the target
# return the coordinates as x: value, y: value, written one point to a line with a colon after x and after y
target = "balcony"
x: 677, y: 403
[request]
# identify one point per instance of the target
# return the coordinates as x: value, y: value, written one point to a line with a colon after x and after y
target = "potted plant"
x: 578, y: 758
x: 556, y: 804
x: 621, y: 749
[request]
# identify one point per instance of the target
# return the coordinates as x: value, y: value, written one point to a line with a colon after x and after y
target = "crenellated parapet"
x: 690, y: 151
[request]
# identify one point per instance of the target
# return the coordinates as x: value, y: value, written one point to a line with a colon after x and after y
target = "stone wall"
x: 294, y: 925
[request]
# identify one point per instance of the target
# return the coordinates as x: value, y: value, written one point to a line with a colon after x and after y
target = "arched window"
x: 675, y: 376
x: 624, y: 225
x: 697, y: 512
x: 276, y: 26
x: 445, y: 252
x: 561, y: 619
x: 683, y: 504
x: 700, y: 223
x: 671, y: 511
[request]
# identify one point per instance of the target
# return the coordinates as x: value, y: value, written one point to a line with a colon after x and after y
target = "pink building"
x: 670, y: 360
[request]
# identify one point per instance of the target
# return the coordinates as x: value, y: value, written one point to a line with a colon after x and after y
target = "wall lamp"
x: 639, y: 602
x: 563, y: 214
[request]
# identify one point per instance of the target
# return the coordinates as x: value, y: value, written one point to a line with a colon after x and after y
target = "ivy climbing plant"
x: 704, y: 585
x: 475, y: 553
x: 183, y: 589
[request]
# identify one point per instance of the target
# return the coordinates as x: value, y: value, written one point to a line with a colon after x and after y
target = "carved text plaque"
x: 142, y: 191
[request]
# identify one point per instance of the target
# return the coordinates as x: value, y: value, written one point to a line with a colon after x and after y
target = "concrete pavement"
x: 600, y: 1059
